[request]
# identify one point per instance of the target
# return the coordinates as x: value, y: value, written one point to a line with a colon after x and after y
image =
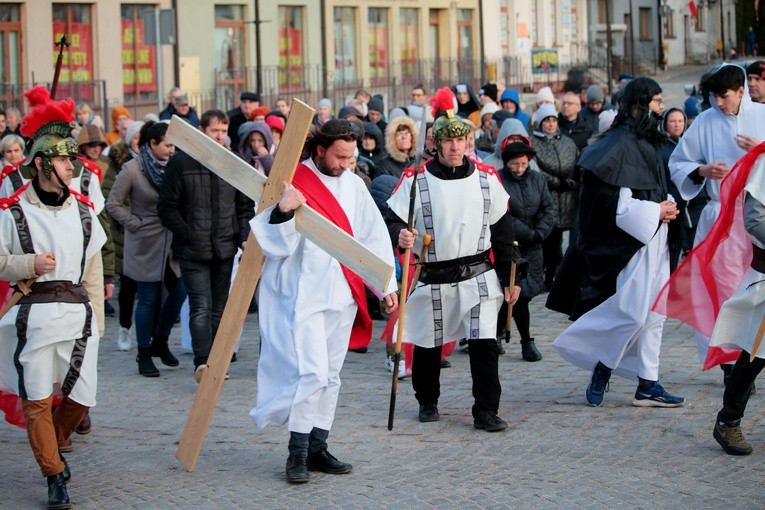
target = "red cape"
x: 712, y: 271
x: 319, y: 198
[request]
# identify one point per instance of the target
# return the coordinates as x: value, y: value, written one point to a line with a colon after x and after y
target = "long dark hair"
x: 328, y: 133
x: 634, y: 105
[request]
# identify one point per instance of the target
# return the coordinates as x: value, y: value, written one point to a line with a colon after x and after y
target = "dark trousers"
x: 207, y: 285
x: 736, y: 393
x: 521, y: 317
x: 153, y: 316
x: 484, y: 369
x: 552, y: 252
x: 126, y: 300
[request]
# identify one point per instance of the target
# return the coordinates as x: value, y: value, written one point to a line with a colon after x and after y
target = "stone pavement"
x: 557, y: 453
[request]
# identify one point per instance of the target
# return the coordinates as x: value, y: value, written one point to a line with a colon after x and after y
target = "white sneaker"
x: 401, y: 370
x: 199, y: 372
x: 123, y: 339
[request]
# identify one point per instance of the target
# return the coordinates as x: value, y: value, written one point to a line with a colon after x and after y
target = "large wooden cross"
x: 309, y: 223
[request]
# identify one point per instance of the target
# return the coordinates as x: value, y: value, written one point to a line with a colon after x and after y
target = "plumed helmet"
x: 446, y: 124
x: 49, y: 124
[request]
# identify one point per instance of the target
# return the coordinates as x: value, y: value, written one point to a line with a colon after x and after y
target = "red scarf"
x: 320, y: 199
x: 711, y: 273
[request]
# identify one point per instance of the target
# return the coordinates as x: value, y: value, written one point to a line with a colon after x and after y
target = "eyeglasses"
x: 517, y: 166
x: 403, y: 134
x: 657, y: 100
x: 570, y: 103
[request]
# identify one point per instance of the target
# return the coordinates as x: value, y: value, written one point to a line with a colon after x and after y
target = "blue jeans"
x: 152, y: 316
x: 207, y: 284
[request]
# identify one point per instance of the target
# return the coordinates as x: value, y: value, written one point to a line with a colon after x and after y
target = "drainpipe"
x: 258, y: 61
x: 323, y: 33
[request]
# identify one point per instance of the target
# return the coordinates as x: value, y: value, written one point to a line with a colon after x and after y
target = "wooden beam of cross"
x: 309, y: 223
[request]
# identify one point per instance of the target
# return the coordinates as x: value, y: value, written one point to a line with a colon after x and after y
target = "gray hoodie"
x: 509, y: 127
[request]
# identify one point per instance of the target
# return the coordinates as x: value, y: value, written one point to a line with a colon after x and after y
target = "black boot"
x: 58, y: 498
x: 145, y: 365
x: 159, y: 349
x: 67, y: 473
x: 529, y: 351
x: 297, y: 471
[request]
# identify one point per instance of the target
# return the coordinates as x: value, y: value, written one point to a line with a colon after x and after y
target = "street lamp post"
x: 664, y: 11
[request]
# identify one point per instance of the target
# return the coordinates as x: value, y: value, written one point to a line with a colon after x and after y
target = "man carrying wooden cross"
x: 311, y: 308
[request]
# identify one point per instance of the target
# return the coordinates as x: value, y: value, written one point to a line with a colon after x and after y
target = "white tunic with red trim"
x: 460, y: 229
x: 306, y: 311
x: 52, y: 328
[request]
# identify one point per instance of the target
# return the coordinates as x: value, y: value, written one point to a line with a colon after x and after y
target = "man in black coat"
x: 570, y: 121
x: 209, y: 220
x: 241, y: 114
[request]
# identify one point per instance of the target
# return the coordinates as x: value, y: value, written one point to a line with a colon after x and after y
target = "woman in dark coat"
x: 147, y: 256
x: 556, y: 155
x: 533, y: 218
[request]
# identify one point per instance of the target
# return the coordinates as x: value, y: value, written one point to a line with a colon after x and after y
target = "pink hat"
x: 275, y: 122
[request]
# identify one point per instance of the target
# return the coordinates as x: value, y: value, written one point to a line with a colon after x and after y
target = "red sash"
x: 319, y: 198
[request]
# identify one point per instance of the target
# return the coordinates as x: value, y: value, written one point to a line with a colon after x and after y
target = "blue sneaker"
x: 597, y: 387
x: 657, y: 396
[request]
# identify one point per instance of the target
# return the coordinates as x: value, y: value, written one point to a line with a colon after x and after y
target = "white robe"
x: 306, y: 311
x: 52, y: 327
x: 457, y: 210
x: 740, y: 316
x: 710, y: 139
x: 622, y: 332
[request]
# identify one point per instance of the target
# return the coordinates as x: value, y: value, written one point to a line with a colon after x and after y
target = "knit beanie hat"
x: 325, y: 103
x: 132, y: 129
x: 545, y: 94
x: 605, y: 119
x: 376, y: 105
x: 594, y: 93
x: 546, y: 110
x: 489, y: 90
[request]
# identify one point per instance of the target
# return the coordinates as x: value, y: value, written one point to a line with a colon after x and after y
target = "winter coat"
x: 512, y: 95
x: 533, y: 219
x: 577, y: 130
x: 262, y: 164
x: 118, y: 156
x: 192, y: 117
x: 396, y: 161
x: 556, y: 155
x: 382, y: 189
x: 208, y: 217
x: 147, y: 241
x: 379, y: 153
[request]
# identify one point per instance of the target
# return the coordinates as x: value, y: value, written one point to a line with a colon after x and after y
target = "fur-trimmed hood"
x: 390, y: 139
x: 119, y: 154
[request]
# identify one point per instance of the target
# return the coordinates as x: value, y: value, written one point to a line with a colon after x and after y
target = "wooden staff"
x: 509, y: 306
x: 757, y: 340
x: 402, y: 307
x: 425, y: 243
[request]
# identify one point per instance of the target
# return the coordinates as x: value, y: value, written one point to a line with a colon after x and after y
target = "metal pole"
x: 609, y: 70
x: 258, y: 60
x: 158, y: 53
x: 661, y: 33
x: 632, y: 41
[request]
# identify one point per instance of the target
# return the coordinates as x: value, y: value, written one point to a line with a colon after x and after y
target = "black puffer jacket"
x: 533, y: 219
x: 207, y: 216
x: 556, y: 155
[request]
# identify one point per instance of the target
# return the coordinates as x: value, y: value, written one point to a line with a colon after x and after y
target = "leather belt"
x: 455, y: 270
x: 56, y: 291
